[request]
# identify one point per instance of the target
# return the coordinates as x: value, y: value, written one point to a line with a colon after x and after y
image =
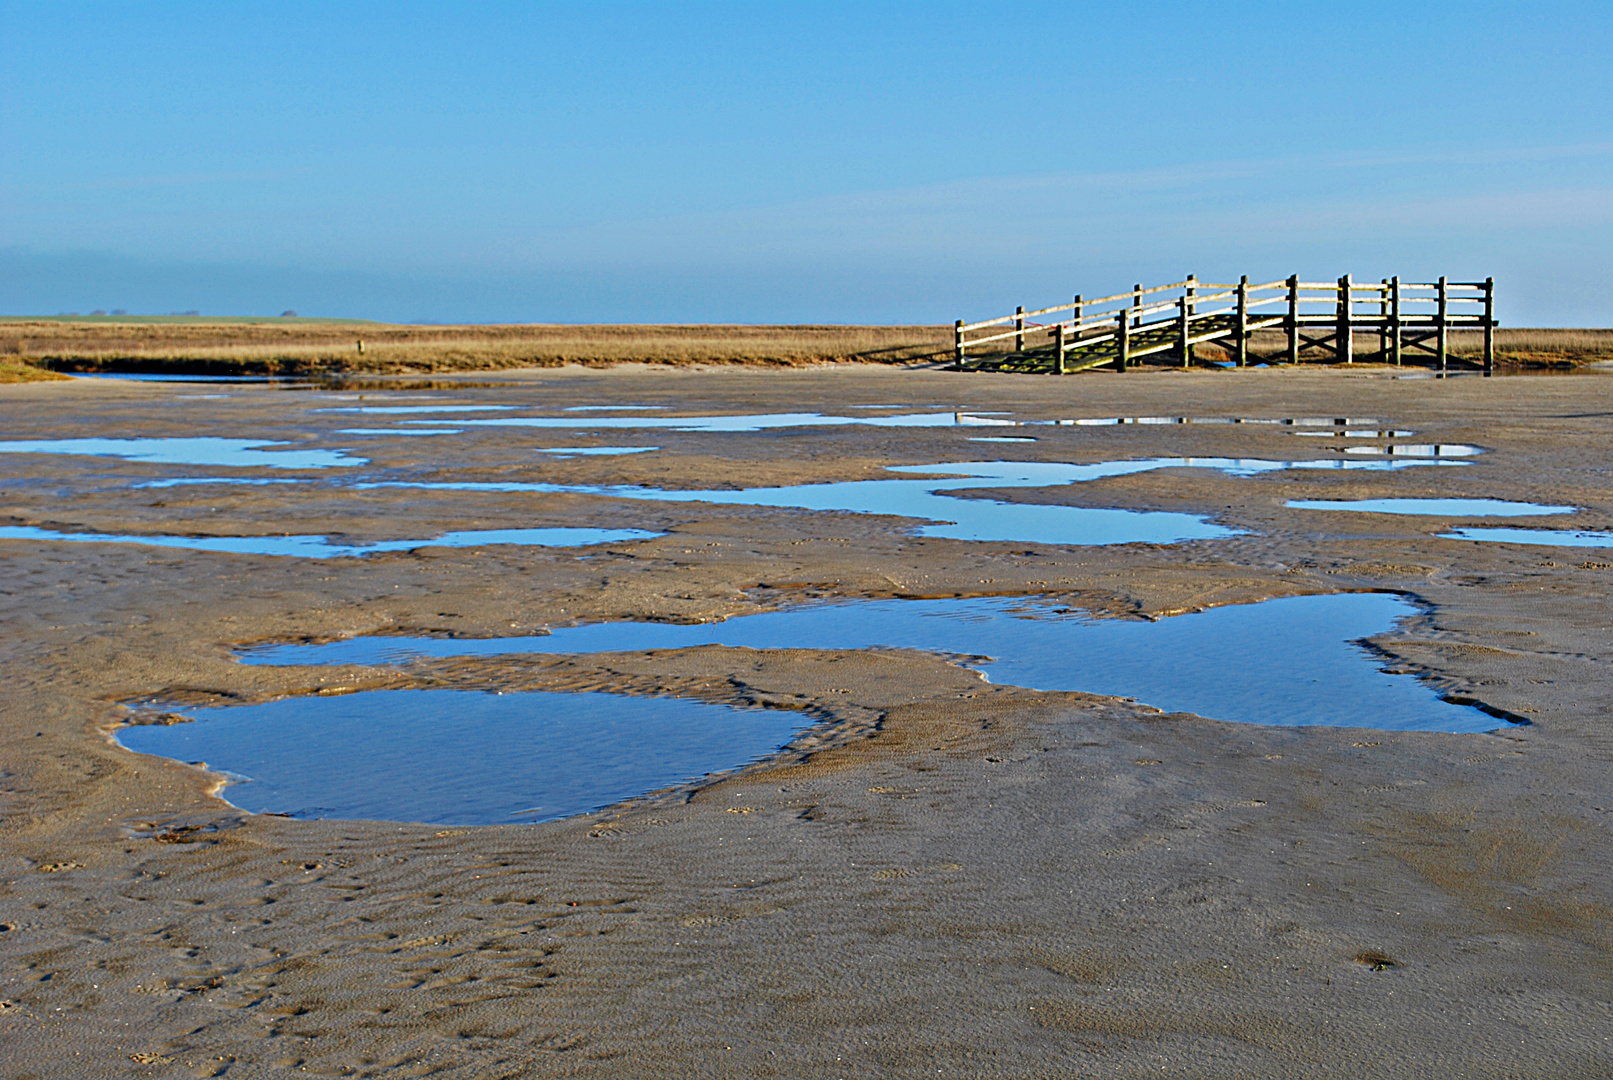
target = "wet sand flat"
x: 952, y: 878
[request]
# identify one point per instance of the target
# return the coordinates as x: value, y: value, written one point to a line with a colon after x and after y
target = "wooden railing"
x: 1123, y: 328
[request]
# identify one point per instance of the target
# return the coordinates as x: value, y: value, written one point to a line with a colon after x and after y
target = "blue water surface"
x: 201, y: 450
x: 1444, y: 507
x: 1293, y: 661
x: 456, y: 757
x: 1552, y: 537
x: 320, y: 547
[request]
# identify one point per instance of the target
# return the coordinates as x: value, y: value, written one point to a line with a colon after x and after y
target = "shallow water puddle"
x: 230, y: 453
x: 1286, y: 662
x: 320, y: 547
x: 1297, y: 421
x: 1553, y: 537
x: 397, y: 431
x: 1419, y: 450
x: 962, y: 517
x: 605, y: 451
x: 611, y: 408
x: 751, y: 423
x: 1445, y: 507
x: 390, y: 409
x: 457, y: 757
x: 190, y: 481
x: 165, y: 377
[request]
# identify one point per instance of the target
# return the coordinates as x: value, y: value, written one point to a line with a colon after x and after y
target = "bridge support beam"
x: 1394, y: 320
x: 1344, y: 345
x: 1442, y: 337
x: 1123, y: 339
x: 1383, y: 320
x: 1489, y: 326
x: 1185, y: 332
x: 1192, y: 309
x: 1293, y: 319
x: 1241, y: 330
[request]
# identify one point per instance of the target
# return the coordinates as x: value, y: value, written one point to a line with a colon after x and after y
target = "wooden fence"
x: 1411, y: 320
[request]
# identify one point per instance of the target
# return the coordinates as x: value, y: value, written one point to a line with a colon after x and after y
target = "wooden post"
x: 957, y: 345
x: 1441, y: 333
x: 1019, y: 328
x: 1182, y: 310
x: 1383, y: 320
x: 1293, y: 319
x: 1075, y: 315
x: 1137, y: 302
x: 1058, y: 349
x: 1394, y: 320
x: 1344, y: 343
x: 1122, y: 339
x: 1489, y: 326
x: 1243, y: 321
x: 1192, y: 310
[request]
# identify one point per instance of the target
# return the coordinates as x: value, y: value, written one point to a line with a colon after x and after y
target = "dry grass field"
x: 29, y: 348
x: 303, y: 347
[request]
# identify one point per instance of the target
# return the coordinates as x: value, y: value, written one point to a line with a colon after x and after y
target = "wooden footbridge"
x: 1411, y: 321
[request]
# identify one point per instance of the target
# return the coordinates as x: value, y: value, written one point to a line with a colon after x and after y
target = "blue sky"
x: 775, y: 163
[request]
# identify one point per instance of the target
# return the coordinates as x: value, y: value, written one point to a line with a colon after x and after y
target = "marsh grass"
x: 311, y: 348
x: 14, y: 371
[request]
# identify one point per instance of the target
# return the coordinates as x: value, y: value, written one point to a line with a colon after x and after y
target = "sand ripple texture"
x: 976, y: 880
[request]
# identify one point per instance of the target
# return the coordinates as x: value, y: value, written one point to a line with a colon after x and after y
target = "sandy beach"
x: 950, y: 877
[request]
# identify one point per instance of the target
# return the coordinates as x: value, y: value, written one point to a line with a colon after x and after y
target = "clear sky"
x: 703, y: 162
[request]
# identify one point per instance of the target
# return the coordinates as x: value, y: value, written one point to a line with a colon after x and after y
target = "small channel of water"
x: 732, y: 423
x: 232, y: 453
x: 320, y: 547
x: 1552, y: 537
x: 933, y: 499
x: 1441, y: 507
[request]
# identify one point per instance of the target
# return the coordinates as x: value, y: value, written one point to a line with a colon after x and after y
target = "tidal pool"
x: 158, y: 376
x: 1446, y: 507
x: 396, y: 431
x: 750, y: 423
x: 203, y: 450
x: 1553, y: 537
x: 1293, y: 661
x: 457, y: 757
x: 963, y: 517
x: 1419, y: 450
x: 604, y: 451
x: 1292, y: 421
x: 320, y: 547
x: 394, y: 409
x: 192, y: 481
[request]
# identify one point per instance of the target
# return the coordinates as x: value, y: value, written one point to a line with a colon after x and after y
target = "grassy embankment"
x: 32, y: 348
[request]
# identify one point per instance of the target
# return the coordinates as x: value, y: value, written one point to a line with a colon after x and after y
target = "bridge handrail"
x: 1244, y: 308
